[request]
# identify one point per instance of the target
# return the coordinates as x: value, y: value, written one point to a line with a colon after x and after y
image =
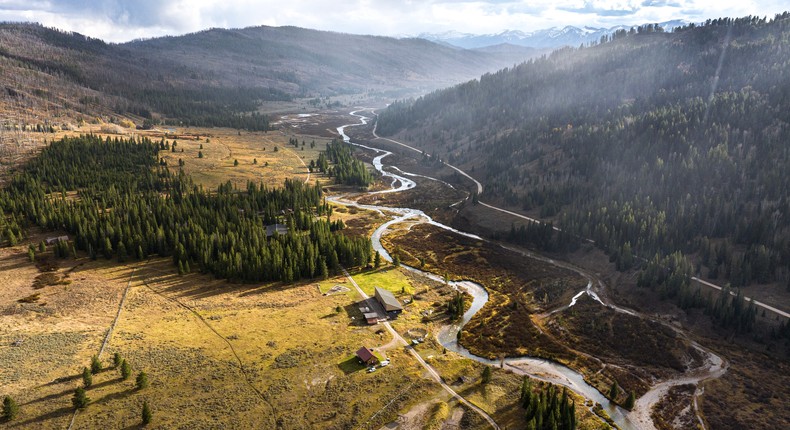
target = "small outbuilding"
x: 280, y: 229
x: 366, y: 356
x: 56, y: 239
x: 372, y: 318
x: 388, y: 301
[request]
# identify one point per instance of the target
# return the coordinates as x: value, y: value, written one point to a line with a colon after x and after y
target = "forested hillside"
x: 648, y: 142
x: 215, y: 77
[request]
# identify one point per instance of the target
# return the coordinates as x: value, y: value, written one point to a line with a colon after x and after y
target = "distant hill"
x: 541, y: 39
x: 651, y: 143
x: 305, y: 62
x: 214, y: 76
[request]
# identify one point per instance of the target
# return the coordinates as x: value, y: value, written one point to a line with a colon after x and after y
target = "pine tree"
x: 147, y: 414
x: 200, y: 154
x: 126, y: 369
x: 235, y: 162
x: 117, y: 359
x: 486, y: 377
x: 323, y: 269
x: 121, y: 252
x: 142, y: 380
x: 10, y: 408
x: 87, y: 378
x: 614, y: 390
x: 396, y: 260
x: 31, y: 255
x: 630, y: 401
x: 80, y: 399
x: 96, y: 366
x: 377, y: 260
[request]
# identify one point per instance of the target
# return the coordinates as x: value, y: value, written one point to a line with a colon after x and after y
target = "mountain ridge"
x: 553, y: 37
x: 215, y: 73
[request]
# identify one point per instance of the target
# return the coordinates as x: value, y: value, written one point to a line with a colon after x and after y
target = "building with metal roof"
x: 388, y: 300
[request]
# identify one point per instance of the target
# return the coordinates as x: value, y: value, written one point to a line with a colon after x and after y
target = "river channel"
x: 537, y: 368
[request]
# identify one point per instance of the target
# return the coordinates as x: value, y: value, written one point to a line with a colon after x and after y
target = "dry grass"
x: 255, y: 356
x: 675, y: 410
x: 221, y: 147
x: 635, y: 350
x: 518, y: 286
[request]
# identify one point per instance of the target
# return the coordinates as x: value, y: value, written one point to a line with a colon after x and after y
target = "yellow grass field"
x: 233, y: 356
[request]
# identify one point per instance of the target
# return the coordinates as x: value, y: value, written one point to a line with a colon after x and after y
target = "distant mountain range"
x: 219, y: 73
x: 541, y: 39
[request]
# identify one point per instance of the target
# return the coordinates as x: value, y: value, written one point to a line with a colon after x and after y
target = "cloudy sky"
x: 123, y: 20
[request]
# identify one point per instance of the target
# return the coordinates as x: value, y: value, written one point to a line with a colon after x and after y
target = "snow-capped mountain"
x: 548, y: 38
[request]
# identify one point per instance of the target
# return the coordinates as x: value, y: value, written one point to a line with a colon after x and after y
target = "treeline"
x: 671, y: 278
x: 629, y: 144
x: 546, y: 408
x: 202, y: 106
x: 346, y: 170
x: 141, y: 83
x: 543, y: 236
x: 127, y: 206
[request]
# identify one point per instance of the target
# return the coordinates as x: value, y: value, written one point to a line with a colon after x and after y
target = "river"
x: 538, y: 368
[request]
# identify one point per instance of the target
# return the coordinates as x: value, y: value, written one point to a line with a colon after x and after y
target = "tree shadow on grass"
x: 68, y: 391
x: 351, y: 365
x: 106, y: 383
x: 37, y: 422
x: 63, y: 379
x: 114, y: 396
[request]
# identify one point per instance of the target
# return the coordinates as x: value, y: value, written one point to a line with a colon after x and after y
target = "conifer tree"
x: 377, y: 260
x: 630, y: 401
x: 126, y: 369
x: 614, y: 390
x: 80, y: 399
x: 96, y: 365
x: 117, y: 359
x: 486, y: 377
x: 142, y: 380
x: 10, y: 408
x: 87, y: 378
x: 146, y: 414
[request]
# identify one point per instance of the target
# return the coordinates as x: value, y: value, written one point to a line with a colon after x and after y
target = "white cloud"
x: 122, y: 20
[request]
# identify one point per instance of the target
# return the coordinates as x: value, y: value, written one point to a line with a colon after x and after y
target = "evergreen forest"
x: 116, y: 201
x: 648, y: 143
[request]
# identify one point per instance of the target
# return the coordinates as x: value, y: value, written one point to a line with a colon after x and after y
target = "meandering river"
x: 537, y: 368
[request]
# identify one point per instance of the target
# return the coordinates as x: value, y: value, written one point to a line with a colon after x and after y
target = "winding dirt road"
x: 431, y: 371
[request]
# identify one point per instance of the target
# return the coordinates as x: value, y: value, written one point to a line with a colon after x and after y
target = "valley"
x: 282, y: 228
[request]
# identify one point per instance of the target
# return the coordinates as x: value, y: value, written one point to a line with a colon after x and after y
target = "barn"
x: 388, y: 301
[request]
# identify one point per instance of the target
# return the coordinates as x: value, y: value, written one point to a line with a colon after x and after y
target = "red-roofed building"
x: 367, y: 356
